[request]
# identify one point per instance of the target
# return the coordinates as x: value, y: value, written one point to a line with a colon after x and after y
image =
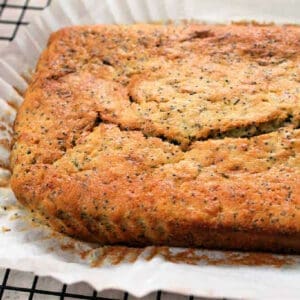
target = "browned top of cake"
x: 150, y: 128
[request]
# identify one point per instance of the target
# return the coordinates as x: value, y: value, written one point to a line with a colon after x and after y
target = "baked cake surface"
x: 180, y: 135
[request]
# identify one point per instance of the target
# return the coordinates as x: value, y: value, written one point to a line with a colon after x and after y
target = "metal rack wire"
x: 13, y: 15
x: 13, y: 287
x: 32, y: 291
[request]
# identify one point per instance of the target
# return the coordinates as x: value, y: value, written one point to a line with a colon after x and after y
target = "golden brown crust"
x: 118, y: 140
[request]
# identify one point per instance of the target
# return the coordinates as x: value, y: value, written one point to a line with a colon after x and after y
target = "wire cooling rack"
x: 16, y: 13
x: 24, y: 285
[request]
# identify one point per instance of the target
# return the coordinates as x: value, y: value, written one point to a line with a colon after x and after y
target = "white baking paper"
x: 28, y: 246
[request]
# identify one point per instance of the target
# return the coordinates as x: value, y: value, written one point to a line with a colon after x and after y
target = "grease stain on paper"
x: 115, y: 255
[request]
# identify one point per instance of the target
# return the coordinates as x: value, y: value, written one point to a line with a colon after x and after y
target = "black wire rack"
x: 29, y: 286
x: 16, y: 13
x: 23, y: 285
x: 33, y: 290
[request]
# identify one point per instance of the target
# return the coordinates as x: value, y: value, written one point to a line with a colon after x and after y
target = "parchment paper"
x: 27, y: 245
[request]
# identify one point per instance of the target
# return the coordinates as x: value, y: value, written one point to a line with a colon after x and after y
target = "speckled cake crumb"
x: 178, y: 135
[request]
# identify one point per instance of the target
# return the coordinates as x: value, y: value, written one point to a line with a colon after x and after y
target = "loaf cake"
x: 178, y: 134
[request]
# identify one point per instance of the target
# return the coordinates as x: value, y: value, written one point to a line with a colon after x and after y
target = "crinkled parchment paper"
x: 27, y: 245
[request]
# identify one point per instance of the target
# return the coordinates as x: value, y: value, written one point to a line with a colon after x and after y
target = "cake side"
x: 168, y: 135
